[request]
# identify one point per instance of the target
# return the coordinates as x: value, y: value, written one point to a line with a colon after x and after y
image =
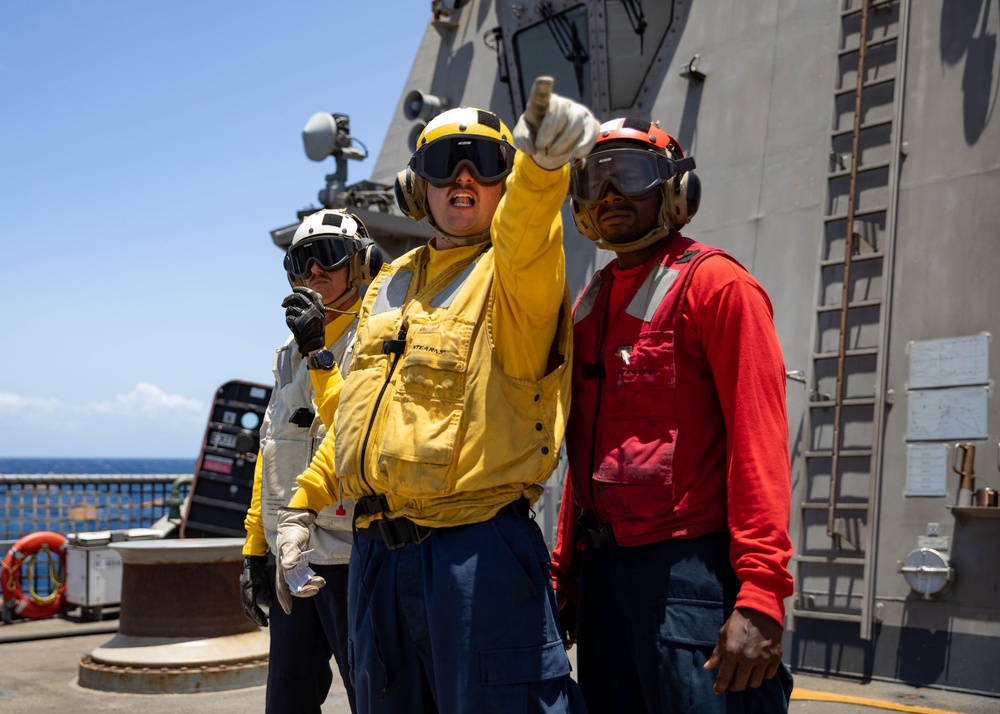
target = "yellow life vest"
x: 427, y: 416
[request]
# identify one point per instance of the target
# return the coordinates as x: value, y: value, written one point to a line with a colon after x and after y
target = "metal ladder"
x: 842, y: 438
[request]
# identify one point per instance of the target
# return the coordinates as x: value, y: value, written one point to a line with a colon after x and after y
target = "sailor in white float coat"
x: 329, y: 259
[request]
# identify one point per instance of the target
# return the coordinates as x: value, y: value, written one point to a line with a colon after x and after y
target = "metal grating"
x: 74, y: 503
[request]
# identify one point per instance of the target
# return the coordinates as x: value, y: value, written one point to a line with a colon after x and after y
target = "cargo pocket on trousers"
x: 689, y: 631
x: 514, y: 678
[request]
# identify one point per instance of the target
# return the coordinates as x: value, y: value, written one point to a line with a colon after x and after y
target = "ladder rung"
x: 850, y: 306
x: 828, y: 403
x: 859, y: 212
x: 839, y: 507
x: 871, y: 43
x: 871, y: 6
x: 882, y: 41
x: 820, y: 615
x: 866, y: 352
x: 844, y: 453
x: 863, y: 127
x: 866, y: 85
x: 840, y: 173
x: 833, y: 262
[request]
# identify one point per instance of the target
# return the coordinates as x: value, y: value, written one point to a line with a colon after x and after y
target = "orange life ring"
x: 33, y: 606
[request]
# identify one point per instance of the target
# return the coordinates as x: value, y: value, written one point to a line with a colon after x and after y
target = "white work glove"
x: 293, y: 538
x: 553, y: 129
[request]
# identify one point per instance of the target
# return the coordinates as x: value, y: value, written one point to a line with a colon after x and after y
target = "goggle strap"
x: 683, y: 165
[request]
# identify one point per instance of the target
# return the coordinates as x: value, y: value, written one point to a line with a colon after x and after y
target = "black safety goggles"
x: 328, y: 252
x: 441, y: 161
x: 635, y: 173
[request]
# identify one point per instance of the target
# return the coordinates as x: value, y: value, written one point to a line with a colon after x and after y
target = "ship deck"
x: 40, y: 659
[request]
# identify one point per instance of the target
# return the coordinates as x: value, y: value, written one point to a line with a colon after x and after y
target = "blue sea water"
x: 96, y: 466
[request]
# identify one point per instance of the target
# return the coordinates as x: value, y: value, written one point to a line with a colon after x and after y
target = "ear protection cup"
x: 411, y: 194
x: 371, y: 263
x: 365, y: 265
x: 681, y: 198
x: 582, y: 221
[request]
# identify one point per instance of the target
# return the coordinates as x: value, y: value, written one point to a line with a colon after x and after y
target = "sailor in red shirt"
x: 672, y: 549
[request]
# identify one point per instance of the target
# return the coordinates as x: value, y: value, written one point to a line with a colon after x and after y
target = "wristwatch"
x: 323, y: 359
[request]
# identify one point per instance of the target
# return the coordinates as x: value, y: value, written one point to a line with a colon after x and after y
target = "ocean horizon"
x: 108, y: 465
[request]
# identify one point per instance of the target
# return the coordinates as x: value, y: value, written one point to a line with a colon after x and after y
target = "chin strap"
x: 652, y: 237
x: 475, y: 238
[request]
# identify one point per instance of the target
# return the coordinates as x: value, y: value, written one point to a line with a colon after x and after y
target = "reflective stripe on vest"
x: 585, y: 303
x: 654, y: 288
x: 446, y: 296
x: 392, y: 292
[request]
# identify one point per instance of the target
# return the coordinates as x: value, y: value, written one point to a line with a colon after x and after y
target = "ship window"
x: 630, y: 53
x: 559, y: 47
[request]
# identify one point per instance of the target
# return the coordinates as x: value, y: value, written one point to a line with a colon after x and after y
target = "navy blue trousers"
x: 298, y: 670
x: 649, y: 617
x: 461, y: 623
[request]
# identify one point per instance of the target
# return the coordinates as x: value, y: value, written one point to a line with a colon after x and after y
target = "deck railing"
x: 80, y: 503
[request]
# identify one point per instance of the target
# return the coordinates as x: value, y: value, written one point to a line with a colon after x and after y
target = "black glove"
x: 306, y: 318
x: 254, y: 588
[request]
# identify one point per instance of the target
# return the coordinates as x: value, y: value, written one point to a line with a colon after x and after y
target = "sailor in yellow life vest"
x: 450, y: 420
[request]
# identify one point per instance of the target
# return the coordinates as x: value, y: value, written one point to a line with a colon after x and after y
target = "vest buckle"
x: 371, y: 505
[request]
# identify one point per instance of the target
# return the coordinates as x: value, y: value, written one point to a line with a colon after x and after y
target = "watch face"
x: 323, y: 360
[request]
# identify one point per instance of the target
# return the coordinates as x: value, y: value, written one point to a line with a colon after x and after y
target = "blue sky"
x: 146, y: 151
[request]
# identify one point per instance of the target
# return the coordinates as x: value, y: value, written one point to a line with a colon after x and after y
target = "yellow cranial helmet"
x: 464, y: 121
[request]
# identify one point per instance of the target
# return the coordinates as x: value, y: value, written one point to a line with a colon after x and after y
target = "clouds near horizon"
x: 146, y: 421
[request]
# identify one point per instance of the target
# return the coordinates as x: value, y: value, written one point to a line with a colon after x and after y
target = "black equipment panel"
x: 223, y: 480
